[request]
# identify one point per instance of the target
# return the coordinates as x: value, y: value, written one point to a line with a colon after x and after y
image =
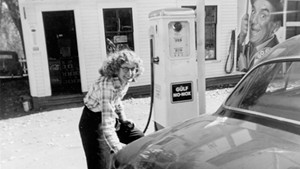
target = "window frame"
x: 214, y: 22
x: 129, y: 33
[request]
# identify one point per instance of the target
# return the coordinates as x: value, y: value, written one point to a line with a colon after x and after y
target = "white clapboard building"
x: 66, y: 41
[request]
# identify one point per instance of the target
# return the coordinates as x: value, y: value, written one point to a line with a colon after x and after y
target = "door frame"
x: 42, y: 41
x: 67, y: 85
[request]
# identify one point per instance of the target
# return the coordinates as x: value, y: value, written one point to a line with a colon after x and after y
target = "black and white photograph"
x: 149, y: 84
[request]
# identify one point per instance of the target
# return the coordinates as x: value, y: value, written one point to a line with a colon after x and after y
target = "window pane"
x: 273, y: 89
x: 210, y: 41
x: 118, y: 27
x: 292, y: 31
x: 210, y: 31
x: 293, y: 11
x: 210, y: 14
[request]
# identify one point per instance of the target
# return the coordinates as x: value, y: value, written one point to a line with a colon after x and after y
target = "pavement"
x: 50, y: 139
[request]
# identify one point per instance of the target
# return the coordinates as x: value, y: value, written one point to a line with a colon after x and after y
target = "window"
x: 118, y: 27
x: 272, y: 89
x: 293, y: 15
x: 210, y: 31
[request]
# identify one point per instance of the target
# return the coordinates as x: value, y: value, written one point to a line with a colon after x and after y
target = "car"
x: 9, y: 64
x: 256, y: 127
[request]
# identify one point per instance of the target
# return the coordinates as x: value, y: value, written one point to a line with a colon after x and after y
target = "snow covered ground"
x: 50, y: 139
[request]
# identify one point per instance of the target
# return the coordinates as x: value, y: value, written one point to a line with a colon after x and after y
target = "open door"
x: 61, y: 42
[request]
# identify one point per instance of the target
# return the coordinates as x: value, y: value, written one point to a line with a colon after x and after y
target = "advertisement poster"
x: 263, y: 25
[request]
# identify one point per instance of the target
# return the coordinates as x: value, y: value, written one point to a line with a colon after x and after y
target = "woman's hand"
x: 128, y: 123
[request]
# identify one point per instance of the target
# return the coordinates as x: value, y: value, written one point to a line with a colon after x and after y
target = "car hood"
x: 213, y: 142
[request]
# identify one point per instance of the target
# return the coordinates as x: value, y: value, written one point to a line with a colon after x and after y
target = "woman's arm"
x: 109, y: 117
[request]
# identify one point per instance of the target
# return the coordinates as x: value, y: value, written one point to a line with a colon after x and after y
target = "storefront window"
x: 293, y: 16
x: 293, y: 13
x: 210, y: 31
x: 118, y: 26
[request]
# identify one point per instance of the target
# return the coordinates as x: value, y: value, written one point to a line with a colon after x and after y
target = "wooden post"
x: 200, y: 29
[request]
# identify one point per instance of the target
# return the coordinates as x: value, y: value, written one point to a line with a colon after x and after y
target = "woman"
x: 103, y: 125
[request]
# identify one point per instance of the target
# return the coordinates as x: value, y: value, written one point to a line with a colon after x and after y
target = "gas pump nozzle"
x: 155, y: 60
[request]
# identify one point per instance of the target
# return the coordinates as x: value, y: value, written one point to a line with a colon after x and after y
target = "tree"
x: 0, y: 11
x: 13, y: 8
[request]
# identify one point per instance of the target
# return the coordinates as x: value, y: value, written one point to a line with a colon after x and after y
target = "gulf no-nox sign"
x: 181, y: 92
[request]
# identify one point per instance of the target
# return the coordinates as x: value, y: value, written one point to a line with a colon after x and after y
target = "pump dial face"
x: 177, y: 26
x: 179, y: 38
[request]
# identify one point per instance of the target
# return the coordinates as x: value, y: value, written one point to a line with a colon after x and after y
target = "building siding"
x: 227, y: 10
x: 90, y: 36
x: 91, y: 41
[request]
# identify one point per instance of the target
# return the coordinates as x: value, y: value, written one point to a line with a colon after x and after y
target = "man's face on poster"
x: 262, y: 24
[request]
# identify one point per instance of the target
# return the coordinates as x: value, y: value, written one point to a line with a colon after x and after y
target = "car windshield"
x: 272, y: 89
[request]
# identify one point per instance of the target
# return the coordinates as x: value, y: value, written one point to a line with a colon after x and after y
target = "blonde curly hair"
x: 115, y: 60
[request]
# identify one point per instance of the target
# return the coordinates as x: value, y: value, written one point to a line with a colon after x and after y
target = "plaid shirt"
x: 105, y: 96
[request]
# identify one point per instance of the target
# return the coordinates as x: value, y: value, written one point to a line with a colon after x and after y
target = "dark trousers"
x: 97, y: 151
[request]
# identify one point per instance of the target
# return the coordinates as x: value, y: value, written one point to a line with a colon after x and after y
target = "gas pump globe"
x: 172, y: 38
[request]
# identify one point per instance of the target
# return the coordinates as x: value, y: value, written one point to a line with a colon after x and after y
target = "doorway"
x: 62, y: 51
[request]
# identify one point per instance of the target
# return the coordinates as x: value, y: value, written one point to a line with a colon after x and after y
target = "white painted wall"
x: 90, y: 36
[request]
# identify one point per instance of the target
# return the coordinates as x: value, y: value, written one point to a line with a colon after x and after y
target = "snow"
x: 51, y: 139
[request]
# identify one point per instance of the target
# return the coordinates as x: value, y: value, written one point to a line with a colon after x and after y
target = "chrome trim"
x: 261, y: 114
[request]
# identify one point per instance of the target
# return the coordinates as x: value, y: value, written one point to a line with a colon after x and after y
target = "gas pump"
x: 173, y: 54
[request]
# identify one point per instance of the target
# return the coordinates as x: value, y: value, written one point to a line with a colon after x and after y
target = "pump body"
x: 172, y: 40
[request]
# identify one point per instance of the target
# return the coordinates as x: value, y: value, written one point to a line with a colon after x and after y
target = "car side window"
x: 287, y: 79
x: 273, y: 89
x: 258, y: 84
